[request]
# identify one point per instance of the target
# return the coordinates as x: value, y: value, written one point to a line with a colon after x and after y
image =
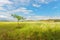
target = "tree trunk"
x: 18, y: 25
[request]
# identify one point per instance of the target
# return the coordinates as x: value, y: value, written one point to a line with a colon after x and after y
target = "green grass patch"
x: 29, y: 31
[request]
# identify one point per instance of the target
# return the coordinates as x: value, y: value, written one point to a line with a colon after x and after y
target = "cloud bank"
x: 8, y: 7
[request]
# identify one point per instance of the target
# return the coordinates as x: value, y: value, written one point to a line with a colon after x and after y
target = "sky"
x: 30, y: 9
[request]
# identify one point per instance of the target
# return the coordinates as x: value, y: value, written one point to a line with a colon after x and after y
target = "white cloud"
x: 55, y: 17
x: 2, y: 2
x: 45, y: 1
x: 3, y: 16
x: 7, y: 15
x: 1, y: 8
x: 5, y: 2
x: 22, y: 2
x: 42, y: 1
x: 37, y: 17
x: 28, y: 2
x: 23, y: 10
x: 41, y: 17
x: 25, y: 1
x: 36, y: 5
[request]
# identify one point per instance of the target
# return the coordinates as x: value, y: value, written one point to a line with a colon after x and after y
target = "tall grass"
x: 29, y: 31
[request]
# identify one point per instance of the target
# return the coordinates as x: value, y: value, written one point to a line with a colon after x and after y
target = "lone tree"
x: 18, y: 18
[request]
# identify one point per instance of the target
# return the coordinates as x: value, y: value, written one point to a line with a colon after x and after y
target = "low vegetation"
x: 30, y: 31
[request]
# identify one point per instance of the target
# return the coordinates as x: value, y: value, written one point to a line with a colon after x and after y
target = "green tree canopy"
x: 18, y: 17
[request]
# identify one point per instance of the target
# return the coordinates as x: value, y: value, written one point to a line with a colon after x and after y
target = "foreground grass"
x: 30, y: 31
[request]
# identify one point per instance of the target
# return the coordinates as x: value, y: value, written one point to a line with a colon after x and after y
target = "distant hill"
x: 48, y: 20
x: 6, y: 21
x: 3, y: 20
x: 53, y: 20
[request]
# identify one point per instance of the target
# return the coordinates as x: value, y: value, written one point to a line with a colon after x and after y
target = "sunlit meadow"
x: 30, y: 31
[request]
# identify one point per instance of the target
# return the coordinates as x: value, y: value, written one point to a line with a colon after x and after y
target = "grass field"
x: 30, y: 31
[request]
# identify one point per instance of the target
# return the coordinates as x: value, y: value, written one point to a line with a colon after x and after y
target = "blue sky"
x: 30, y: 9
